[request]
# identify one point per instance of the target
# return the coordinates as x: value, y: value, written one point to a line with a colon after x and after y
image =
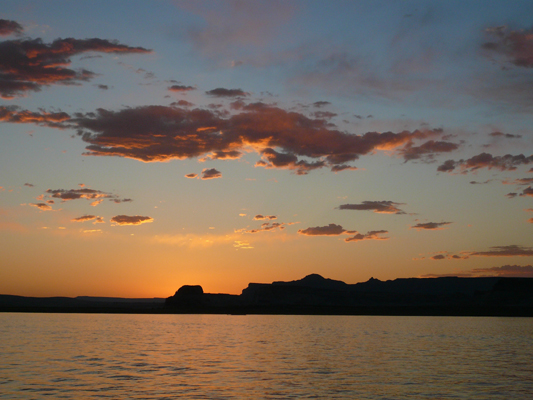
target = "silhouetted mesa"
x: 490, y: 296
x: 413, y: 296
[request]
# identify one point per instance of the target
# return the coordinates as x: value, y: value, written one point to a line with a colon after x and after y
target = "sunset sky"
x: 145, y: 145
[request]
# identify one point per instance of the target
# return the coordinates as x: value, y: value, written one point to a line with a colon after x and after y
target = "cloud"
x: 520, y: 181
x: 380, y: 207
x: 430, y: 226
x: 266, y: 227
x: 505, y: 251
x: 329, y: 230
x: 444, y: 255
x: 505, y: 135
x: 83, y: 218
x: 527, y: 192
x: 182, y: 103
x: 221, y: 92
x: 427, y: 150
x: 191, y: 176
x: 239, y: 244
x: 517, y: 271
x: 41, y: 206
x: 507, y: 162
x: 272, y: 159
x: 494, y: 251
x: 515, y: 46
x: 324, y: 114
x: 102, y: 87
x: 160, y: 133
x: 130, y: 220
x: 335, y: 230
x: 29, y: 64
x: 372, y: 235
x: 260, y: 217
x: 14, y: 114
x: 118, y: 201
x: 75, y: 194
x: 320, y: 104
x: 29, y: 184
x: 343, y: 167
x: 181, y: 88
x: 8, y: 27
x: 211, y: 173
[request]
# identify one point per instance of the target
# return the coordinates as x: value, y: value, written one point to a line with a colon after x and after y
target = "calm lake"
x: 95, y: 356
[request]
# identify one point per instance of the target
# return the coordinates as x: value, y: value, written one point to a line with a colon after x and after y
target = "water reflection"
x: 74, y: 356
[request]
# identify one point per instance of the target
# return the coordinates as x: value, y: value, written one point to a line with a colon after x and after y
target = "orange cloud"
x: 83, y: 218
x: 527, y: 192
x: 41, y: 206
x: 130, y: 220
x: 14, y: 114
x: 520, y: 181
x: 160, y: 133
x: 181, y: 88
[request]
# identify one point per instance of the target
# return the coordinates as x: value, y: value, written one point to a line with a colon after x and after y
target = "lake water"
x: 97, y: 356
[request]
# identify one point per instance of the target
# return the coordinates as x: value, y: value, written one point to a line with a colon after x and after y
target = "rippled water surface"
x: 84, y: 356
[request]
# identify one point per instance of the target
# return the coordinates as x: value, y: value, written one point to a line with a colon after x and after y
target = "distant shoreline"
x: 333, y: 311
x: 315, y: 295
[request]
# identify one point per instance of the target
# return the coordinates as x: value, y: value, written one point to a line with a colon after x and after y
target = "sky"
x: 149, y: 145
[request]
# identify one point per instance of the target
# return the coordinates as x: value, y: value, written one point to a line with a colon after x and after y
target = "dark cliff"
x: 414, y: 296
